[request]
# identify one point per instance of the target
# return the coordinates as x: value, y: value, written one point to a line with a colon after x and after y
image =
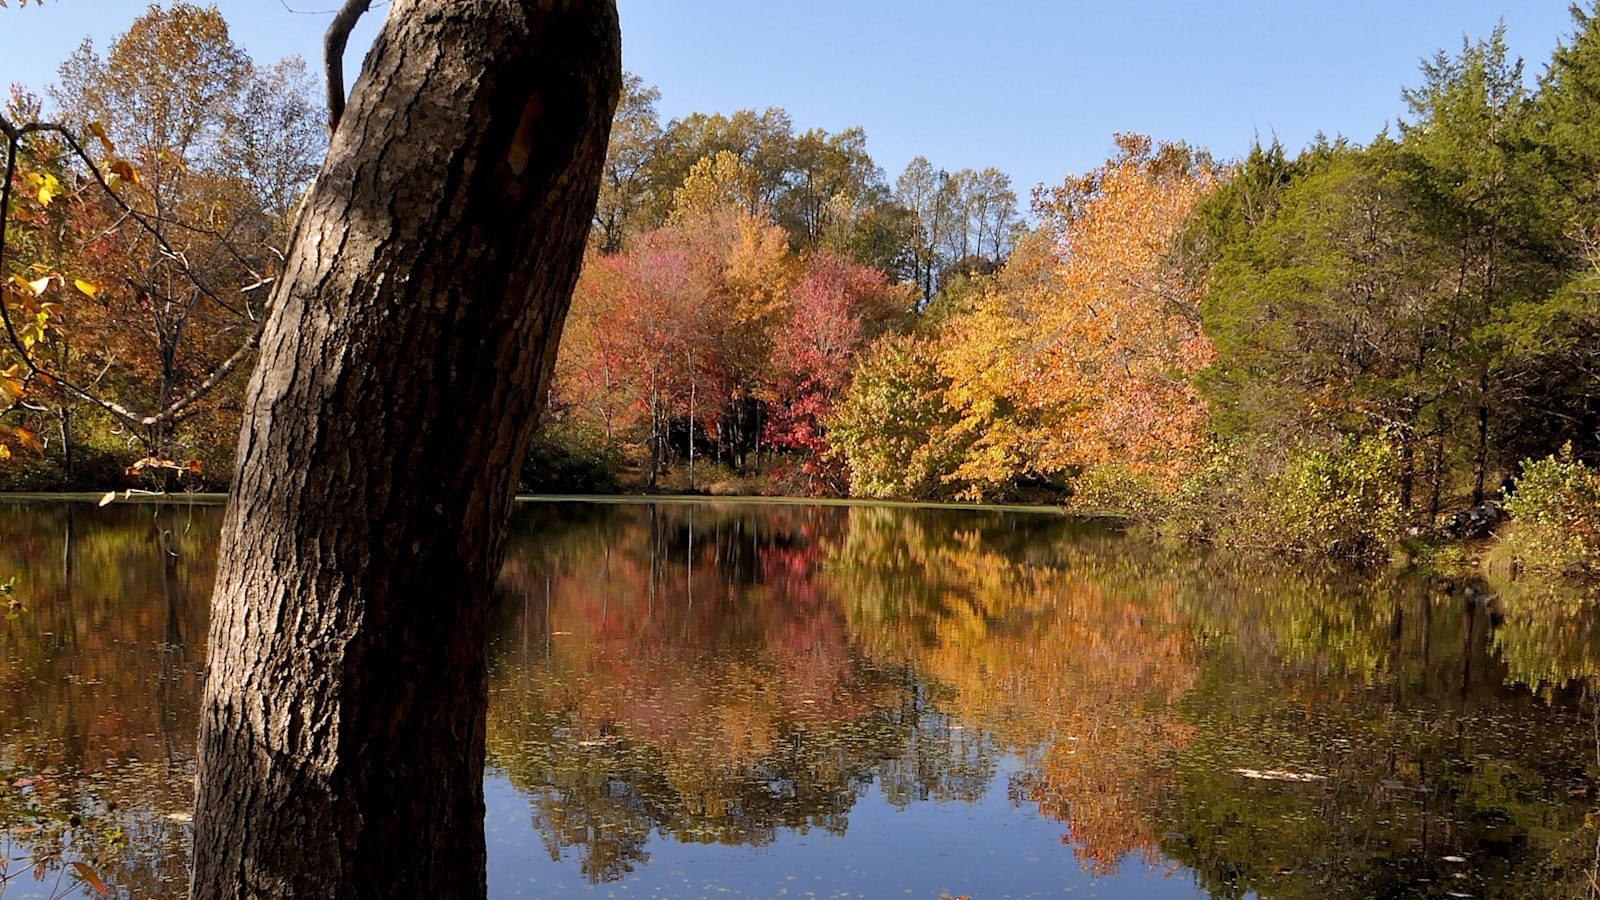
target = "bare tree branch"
x: 333, y: 44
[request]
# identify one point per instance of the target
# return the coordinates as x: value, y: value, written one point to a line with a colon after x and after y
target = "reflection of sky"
x: 990, y: 848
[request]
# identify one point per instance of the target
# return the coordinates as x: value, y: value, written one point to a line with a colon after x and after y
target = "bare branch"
x: 333, y: 44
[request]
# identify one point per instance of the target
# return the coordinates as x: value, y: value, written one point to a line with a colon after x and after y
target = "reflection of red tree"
x: 662, y: 647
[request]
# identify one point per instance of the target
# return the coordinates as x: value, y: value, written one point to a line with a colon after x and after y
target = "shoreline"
x: 217, y: 499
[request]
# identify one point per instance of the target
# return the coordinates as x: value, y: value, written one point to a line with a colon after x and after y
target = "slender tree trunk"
x: 401, y: 372
x: 655, y: 432
x: 68, y: 463
x: 1480, y: 461
x: 1437, y: 475
x: 693, y: 384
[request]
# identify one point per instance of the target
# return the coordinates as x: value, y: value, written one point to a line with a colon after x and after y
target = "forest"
x: 1332, y: 349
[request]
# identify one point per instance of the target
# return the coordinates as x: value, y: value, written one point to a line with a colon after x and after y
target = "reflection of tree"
x: 690, y: 676
x: 99, y: 685
x: 673, y: 676
x: 723, y: 673
x: 1550, y: 636
x: 1437, y: 773
x: 1061, y: 650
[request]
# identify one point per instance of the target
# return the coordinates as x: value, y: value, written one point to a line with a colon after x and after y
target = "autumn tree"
x: 220, y: 150
x: 625, y: 189
x: 1080, y: 353
x: 892, y: 424
x: 36, y: 243
x: 836, y: 309
x: 683, y: 322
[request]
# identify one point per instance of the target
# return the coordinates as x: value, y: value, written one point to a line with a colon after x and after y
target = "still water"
x: 763, y: 700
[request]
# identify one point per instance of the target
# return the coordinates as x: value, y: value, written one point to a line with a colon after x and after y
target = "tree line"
x: 1230, y: 347
x: 1321, y: 348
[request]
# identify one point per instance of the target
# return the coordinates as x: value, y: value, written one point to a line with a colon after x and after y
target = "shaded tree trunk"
x: 400, y: 376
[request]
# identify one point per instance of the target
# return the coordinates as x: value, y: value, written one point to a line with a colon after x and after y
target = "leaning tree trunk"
x: 400, y: 374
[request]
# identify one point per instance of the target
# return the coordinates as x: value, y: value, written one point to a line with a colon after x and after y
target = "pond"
x: 753, y: 699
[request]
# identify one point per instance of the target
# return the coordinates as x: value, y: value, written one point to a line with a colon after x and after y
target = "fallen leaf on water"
x: 90, y: 878
x: 1279, y: 775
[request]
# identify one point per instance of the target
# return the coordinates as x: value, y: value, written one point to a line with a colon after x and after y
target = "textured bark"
x: 401, y: 371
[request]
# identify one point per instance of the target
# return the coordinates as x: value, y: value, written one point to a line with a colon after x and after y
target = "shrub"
x: 1335, y: 503
x: 1555, y: 517
x: 567, y: 460
x: 1220, y: 490
x: 1117, y: 488
x: 30, y: 473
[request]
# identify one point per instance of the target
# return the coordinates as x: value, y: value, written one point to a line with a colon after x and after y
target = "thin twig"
x: 15, y: 135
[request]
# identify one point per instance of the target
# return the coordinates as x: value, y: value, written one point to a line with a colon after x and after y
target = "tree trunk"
x: 1480, y: 458
x: 693, y: 384
x: 400, y: 376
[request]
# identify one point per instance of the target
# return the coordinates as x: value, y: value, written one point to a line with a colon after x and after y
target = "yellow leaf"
x: 99, y: 131
x: 28, y: 440
x: 5, y: 452
x: 124, y: 170
x: 87, y: 287
x: 49, y: 189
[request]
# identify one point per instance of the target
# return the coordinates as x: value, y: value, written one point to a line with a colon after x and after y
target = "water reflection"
x: 735, y: 695
x: 100, y: 676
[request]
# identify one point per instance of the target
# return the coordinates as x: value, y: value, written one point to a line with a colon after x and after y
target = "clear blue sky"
x: 1035, y: 87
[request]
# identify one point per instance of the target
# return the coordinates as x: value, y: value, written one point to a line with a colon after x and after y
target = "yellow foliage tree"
x: 1080, y: 354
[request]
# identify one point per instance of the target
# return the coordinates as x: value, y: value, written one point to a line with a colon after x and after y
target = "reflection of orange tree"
x: 99, y: 686
x: 1065, y: 654
x: 692, y: 679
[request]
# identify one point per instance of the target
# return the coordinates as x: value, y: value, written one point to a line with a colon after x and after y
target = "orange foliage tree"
x: 1079, y: 355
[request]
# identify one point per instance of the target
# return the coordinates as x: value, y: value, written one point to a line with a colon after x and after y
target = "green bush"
x: 567, y: 460
x: 1555, y: 517
x: 1217, y: 496
x: 1116, y: 488
x: 1314, y: 502
x: 1342, y: 502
